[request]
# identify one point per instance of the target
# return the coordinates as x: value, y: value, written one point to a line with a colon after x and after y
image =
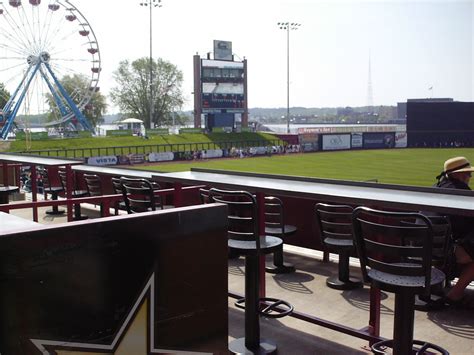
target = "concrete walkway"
x: 306, y: 289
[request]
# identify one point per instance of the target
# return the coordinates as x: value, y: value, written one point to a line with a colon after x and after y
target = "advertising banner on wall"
x: 35, y: 136
x: 103, y: 160
x: 119, y: 132
x: 163, y: 156
x: 190, y: 130
x: 157, y: 131
x: 379, y: 140
x: 309, y: 141
x: 356, y: 140
x: 136, y: 158
x: 212, y: 153
x: 336, y: 141
x: 401, y: 140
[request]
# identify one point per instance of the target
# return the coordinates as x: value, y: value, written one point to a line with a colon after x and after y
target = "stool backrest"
x: 274, y: 214
x: 63, y: 178
x: 117, y: 185
x: 442, y: 240
x: 242, y: 214
x: 386, y: 243
x: 335, y: 221
x: 93, y: 184
x: 138, y: 195
x: 204, y: 195
x: 45, y: 178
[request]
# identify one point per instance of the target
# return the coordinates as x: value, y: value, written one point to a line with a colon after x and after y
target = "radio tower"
x: 370, y: 95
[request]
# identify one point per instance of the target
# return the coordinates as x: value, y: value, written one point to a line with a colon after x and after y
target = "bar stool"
x: 117, y: 186
x: 75, y: 193
x: 381, y: 240
x: 335, y: 227
x: 94, y: 188
x: 54, y: 191
x: 442, y: 250
x: 244, y: 238
x: 275, y: 225
x: 138, y: 195
x: 205, y: 198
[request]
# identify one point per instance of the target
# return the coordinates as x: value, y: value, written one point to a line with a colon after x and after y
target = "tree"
x: 4, y: 96
x: 93, y: 111
x: 132, y: 93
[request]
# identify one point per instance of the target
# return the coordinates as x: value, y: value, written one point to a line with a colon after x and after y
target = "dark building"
x: 402, y: 106
x: 440, y: 123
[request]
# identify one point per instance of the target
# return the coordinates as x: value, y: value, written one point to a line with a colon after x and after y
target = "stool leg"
x: 54, y: 197
x: 279, y: 266
x: 251, y: 343
x: 252, y: 323
x: 77, y: 213
x: 343, y: 281
x: 403, y: 323
x: 54, y: 209
x: 343, y: 267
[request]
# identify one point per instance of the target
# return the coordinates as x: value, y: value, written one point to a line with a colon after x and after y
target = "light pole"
x: 288, y: 26
x: 151, y: 4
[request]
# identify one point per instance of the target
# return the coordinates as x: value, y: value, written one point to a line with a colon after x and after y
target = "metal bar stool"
x: 54, y: 191
x: 75, y: 193
x: 117, y: 186
x: 245, y: 239
x: 385, y: 244
x: 275, y: 225
x: 335, y: 227
x: 94, y: 188
x: 441, y: 259
x: 138, y: 195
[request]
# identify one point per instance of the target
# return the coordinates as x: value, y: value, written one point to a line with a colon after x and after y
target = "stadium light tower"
x: 151, y: 4
x: 288, y: 26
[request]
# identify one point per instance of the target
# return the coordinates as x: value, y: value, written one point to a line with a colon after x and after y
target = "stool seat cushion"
x: 267, y: 245
x: 289, y: 229
x: 391, y: 282
x: 80, y: 193
x: 339, y: 243
x: 54, y: 189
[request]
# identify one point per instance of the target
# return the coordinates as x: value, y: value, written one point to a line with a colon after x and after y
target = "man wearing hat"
x: 456, y: 175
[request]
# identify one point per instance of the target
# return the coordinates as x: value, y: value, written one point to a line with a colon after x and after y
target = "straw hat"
x: 457, y: 165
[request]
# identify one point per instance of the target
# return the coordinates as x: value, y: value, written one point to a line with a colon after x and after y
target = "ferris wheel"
x: 49, y: 62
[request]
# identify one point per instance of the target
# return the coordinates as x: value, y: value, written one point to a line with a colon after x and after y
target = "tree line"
x: 131, y: 93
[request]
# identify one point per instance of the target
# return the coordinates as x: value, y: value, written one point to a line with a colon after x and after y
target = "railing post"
x: 261, y: 231
x: 69, y: 188
x: 34, y: 191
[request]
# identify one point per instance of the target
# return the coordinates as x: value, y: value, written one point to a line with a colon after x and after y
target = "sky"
x: 412, y: 46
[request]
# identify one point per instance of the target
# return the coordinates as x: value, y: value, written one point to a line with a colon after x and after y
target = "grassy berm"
x: 104, y: 142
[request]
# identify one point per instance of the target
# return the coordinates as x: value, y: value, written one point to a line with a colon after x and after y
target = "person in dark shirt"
x: 456, y: 174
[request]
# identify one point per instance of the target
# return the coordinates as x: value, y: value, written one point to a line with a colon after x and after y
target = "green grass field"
x: 417, y: 167
x: 103, y: 142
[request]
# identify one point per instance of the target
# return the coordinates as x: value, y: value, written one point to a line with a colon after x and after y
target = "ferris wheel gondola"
x: 41, y: 44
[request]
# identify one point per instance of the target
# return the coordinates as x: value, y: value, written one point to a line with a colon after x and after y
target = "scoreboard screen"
x: 229, y: 96
x: 222, y: 86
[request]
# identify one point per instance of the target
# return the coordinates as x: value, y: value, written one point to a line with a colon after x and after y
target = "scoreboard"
x: 222, y: 86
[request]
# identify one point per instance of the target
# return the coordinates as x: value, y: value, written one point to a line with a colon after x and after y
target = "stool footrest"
x: 419, y: 347
x: 281, y: 308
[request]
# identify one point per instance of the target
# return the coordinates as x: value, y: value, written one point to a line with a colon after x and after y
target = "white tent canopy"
x: 131, y: 120
x: 134, y: 124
